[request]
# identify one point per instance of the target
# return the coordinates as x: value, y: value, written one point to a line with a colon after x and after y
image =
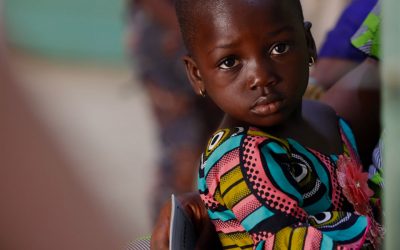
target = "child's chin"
x: 271, y: 120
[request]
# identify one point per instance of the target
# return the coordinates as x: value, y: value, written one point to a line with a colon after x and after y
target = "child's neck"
x: 314, y: 126
x: 283, y: 130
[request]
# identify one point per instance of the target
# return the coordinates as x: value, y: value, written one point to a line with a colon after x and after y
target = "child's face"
x: 251, y: 57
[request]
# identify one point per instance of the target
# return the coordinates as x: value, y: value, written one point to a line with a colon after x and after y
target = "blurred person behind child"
x: 337, y: 55
x: 182, y: 119
x: 323, y: 15
x: 354, y: 77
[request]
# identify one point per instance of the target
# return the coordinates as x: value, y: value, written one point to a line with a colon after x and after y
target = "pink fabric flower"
x: 354, y: 183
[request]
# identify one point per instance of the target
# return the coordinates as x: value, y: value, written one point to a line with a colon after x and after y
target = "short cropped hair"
x: 186, y: 10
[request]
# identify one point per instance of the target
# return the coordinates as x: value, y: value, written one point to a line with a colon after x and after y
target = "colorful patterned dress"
x: 264, y: 192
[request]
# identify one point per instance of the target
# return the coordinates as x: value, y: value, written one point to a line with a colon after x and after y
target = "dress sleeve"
x: 348, y: 138
x: 220, y: 163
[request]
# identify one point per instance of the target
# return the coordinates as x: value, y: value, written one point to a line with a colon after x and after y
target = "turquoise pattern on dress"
x: 277, y: 187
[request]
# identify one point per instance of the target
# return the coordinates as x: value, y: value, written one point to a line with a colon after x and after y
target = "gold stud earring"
x: 312, y: 61
x: 202, y: 93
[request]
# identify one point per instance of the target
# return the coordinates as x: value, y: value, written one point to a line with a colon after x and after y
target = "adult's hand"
x: 194, y: 207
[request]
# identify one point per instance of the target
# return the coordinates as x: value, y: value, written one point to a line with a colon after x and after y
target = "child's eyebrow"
x: 223, y: 45
x: 232, y: 43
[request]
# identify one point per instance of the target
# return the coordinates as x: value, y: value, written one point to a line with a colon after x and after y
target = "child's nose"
x: 261, y: 75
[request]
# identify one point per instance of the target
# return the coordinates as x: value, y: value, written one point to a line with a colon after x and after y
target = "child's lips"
x: 266, y: 105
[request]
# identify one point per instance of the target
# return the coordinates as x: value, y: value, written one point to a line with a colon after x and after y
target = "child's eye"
x: 228, y: 63
x: 279, y: 48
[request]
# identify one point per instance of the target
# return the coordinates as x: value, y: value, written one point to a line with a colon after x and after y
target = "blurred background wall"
x: 74, y: 29
x: 70, y: 58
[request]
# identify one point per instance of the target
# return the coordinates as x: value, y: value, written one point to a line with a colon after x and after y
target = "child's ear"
x: 194, y: 75
x: 312, y: 50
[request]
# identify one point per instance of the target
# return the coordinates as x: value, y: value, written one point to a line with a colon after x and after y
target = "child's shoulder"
x: 318, y: 109
x: 325, y: 116
x: 320, y: 115
x: 326, y: 135
x: 331, y: 124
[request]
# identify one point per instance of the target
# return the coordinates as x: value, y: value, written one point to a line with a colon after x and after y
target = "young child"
x: 269, y: 176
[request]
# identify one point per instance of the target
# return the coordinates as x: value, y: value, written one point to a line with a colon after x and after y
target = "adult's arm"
x: 356, y: 97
